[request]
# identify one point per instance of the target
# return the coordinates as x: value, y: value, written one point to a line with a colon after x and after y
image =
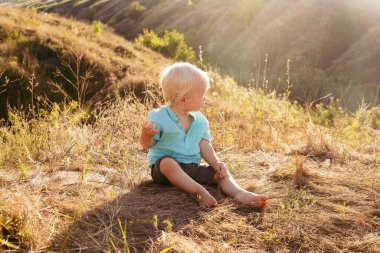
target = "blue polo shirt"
x: 172, y: 139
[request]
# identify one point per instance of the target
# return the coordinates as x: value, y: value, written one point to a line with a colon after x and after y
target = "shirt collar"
x: 174, y: 117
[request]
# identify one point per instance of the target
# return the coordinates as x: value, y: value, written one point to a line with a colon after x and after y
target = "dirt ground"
x: 316, y: 205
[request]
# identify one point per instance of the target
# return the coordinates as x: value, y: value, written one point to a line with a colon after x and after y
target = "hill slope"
x: 322, y: 38
x: 35, y: 46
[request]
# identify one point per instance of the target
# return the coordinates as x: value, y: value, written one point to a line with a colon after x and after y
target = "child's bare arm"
x: 147, y: 133
x: 208, y: 154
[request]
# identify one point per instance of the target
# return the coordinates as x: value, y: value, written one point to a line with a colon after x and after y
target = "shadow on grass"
x: 139, y: 216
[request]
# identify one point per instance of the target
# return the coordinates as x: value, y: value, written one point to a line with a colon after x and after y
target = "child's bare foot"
x: 252, y: 199
x: 206, y: 200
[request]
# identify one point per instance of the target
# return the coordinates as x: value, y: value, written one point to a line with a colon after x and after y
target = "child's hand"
x: 221, y: 169
x: 149, y: 129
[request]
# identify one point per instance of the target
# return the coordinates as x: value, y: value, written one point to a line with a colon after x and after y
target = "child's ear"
x: 183, y: 99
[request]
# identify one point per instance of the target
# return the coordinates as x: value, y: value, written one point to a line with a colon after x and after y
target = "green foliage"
x: 358, y: 128
x: 269, y: 237
x: 9, y: 35
x: 362, y: 116
x: 135, y: 10
x: 29, y: 137
x: 97, y: 26
x: 150, y: 39
x: 155, y: 221
x: 359, y: 123
x: 24, y: 172
x: 171, y: 44
x: 325, y: 114
x: 169, y: 225
x: 10, y: 232
x: 13, y: 62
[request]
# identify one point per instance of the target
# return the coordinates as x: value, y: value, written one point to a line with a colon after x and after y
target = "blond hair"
x: 177, y: 79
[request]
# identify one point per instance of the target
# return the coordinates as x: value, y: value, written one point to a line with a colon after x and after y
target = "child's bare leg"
x: 232, y: 189
x: 181, y: 180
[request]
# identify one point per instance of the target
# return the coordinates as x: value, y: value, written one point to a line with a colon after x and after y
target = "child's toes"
x: 263, y: 202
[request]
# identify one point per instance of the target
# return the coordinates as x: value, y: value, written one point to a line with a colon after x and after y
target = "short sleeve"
x: 206, y: 134
x: 152, y: 118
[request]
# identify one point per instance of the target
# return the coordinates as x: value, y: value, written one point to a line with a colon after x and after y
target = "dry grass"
x: 68, y: 185
x: 52, y: 49
x: 317, y: 202
x: 338, y: 213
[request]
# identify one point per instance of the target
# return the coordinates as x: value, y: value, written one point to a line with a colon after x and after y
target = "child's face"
x: 195, y: 98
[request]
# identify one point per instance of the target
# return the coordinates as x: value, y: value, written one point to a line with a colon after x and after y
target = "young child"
x: 177, y: 136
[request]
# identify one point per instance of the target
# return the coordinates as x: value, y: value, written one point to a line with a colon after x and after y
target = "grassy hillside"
x: 37, y: 59
x: 68, y: 186
x: 327, y: 42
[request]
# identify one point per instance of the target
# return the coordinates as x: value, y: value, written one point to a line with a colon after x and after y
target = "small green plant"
x: 269, y: 237
x: 150, y: 39
x: 14, y: 35
x: 171, y: 44
x: 87, y: 168
x: 169, y: 225
x: 123, y: 229
x: 341, y: 208
x: 155, y: 221
x: 359, y: 123
x: 135, y: 10
x: 10, y: 234
x: 24, y: 169
x: 33, y: 10
x: 97, y: 26
x: 13, y: 62
x: 326, y: 114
